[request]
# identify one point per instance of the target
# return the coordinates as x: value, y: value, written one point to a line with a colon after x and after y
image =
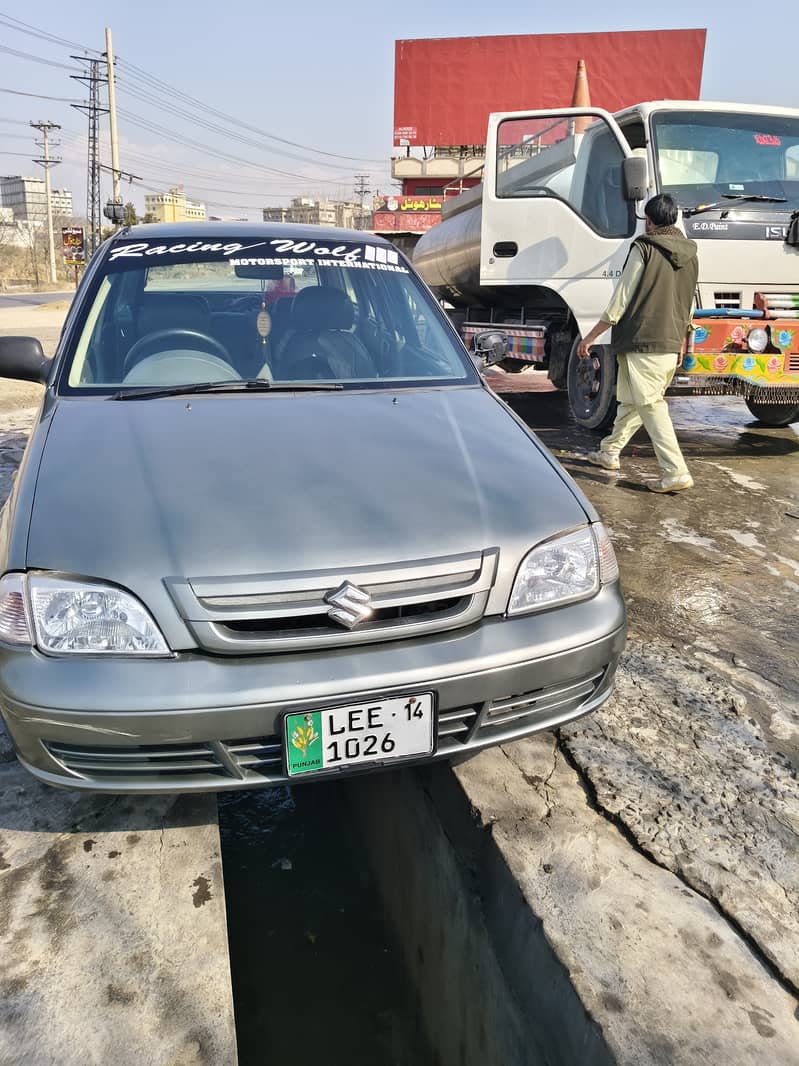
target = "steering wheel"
x: 156, y: 339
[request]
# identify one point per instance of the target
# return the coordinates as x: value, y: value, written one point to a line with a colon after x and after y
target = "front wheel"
x: 774, y: 414
x: 591, y: 385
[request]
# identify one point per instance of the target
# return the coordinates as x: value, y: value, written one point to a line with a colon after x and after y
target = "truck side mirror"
x: 490, y: 347
x: 22, y: 358
x: 635, y: 178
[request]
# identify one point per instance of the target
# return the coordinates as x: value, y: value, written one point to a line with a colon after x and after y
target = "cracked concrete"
x: 693, y: 762
x: 662, y: 973
x: 678, y: 758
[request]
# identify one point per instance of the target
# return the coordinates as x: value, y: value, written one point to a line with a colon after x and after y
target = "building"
x: 27, y: 200
x: 172, y: 206
x: 305, y: 211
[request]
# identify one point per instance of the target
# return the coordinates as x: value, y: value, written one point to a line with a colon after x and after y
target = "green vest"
x: 659, y: 311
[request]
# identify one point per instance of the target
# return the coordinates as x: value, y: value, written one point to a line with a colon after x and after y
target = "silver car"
x: 272, y: 526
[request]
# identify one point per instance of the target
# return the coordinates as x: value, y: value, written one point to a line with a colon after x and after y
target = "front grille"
x: 458, y: 723
x: 154, y: 762
x: 524, y: 711
x: 289, y: 612
x: 727, y: 299
x: 305, y: 624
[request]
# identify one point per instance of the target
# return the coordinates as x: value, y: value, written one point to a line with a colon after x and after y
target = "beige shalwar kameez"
x: 641, y: 384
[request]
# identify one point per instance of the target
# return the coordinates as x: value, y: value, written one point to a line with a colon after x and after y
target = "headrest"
x: 317, y: 308
x: 172, y: 311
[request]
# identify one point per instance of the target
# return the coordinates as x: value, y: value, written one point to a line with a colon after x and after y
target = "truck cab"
x: 539, y: 247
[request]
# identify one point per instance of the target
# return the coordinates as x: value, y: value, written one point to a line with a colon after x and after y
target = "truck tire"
x: 591, y: 385
x: 773, y: 414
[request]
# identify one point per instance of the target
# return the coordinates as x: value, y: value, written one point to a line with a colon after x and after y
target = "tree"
x: 131, y: 217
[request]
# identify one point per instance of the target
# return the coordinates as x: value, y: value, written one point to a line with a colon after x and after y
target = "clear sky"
x: 317, y: 73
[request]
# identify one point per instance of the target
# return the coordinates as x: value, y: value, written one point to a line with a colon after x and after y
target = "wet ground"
x: 695, y: 757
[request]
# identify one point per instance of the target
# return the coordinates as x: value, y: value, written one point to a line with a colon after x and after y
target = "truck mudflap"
x: 745, y: 355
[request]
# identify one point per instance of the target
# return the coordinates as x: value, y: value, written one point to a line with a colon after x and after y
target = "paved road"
x: 33, y: 299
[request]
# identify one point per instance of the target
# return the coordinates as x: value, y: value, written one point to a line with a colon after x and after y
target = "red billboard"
x: 445, y: 89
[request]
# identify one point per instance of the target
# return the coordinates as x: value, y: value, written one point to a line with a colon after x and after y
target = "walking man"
x: 649, y: 314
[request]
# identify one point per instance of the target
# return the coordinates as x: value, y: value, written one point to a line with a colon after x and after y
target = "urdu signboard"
x: 406, y: 214
x: 73, y: 245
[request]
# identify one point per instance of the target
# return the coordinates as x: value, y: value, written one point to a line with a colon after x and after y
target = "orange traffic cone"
x: 581, y: 97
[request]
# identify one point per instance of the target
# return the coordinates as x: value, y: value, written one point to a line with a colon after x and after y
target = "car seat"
x: 320, y: 343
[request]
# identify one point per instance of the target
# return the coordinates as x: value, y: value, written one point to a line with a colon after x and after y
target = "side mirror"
x: 635, y: 178
x: 490, y: 347
x: 22, y: 358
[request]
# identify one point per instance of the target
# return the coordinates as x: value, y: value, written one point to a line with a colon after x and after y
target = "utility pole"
x: 47, y: 161
x: 93, y: 79
x: 112, y: 116
x: 361, y: 190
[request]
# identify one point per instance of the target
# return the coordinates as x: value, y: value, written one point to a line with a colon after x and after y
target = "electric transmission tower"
x: 361, y: 190
x: 46, y: 161
x: 94, y: 80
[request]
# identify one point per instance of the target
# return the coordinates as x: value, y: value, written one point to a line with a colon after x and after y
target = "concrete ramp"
x: 113, y: 940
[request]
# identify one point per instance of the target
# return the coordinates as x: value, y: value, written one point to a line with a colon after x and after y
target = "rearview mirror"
x: 260, y: 273
x: 635, y: 178
x: 22, y: 358
x: 490, y: 347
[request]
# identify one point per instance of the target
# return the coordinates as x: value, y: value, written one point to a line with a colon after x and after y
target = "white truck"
x: 536, y: 249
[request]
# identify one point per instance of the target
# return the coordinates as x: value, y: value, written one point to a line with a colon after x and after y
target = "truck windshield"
x: 182, y: 312
x: 705, y: 156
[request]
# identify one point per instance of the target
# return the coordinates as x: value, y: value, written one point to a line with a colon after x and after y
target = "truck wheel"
x: 774, y: 414
x: 591, y: 385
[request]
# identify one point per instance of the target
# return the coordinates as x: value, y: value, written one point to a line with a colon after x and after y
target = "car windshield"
x: 704, y: 156
x: 172, y: 313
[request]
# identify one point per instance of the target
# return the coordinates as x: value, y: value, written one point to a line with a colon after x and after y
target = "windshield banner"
x: 276, y: 251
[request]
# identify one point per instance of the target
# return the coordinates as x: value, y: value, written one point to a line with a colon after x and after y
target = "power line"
x: 33, y: 58
x: 24, y: 27
x: 151, y: 80
x: 38, y: 96
x: 152, y: 127
x: 162, y: 85
x: 148, y: 98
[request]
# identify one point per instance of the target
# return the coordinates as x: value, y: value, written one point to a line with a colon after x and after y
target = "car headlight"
x: 566, y: 568
x: 757, y: 340
x: 64, y: 616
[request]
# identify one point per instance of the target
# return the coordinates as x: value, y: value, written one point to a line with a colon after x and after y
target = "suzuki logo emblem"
x: 349, y: 605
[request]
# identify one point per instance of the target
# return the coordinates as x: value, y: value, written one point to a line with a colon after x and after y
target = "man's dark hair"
x: 661, y: 210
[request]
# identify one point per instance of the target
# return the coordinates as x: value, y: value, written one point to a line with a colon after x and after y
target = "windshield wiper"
x: 756, y: 197
x: 251, y: 385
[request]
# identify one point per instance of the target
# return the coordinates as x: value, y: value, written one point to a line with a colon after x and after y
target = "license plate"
x: 357, y: 733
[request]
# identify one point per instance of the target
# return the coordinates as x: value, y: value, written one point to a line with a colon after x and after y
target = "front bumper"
x: 199, y: 723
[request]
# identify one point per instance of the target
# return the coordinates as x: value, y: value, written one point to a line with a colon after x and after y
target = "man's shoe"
x: 671, y: 484
x: 604, y: 459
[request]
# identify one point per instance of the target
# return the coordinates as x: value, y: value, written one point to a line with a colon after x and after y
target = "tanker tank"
x: 448, y: 255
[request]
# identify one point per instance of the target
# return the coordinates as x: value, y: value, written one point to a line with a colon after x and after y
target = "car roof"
x: 261, y: 230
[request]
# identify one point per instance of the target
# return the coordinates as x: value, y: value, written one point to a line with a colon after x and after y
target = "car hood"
x: 229, y: 485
